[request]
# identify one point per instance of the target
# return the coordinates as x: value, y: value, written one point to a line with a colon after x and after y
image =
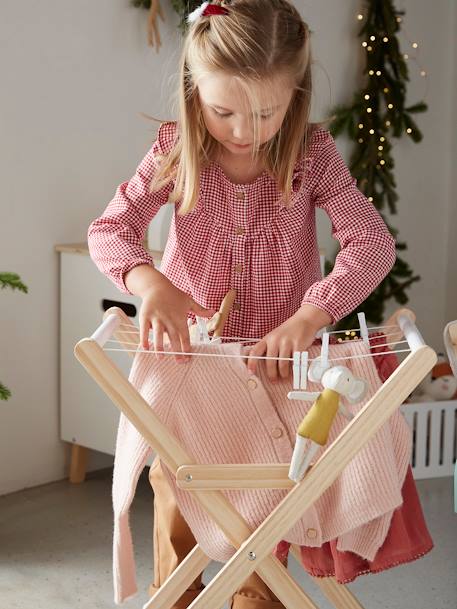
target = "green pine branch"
x: 376, y: 115
x: 13, y: 281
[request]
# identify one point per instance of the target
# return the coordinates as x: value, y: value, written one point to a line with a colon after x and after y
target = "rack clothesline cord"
x: 260, y: 357
x: 400, y: 342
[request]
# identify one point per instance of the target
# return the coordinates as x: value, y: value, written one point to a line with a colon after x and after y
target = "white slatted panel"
x: 434, y: 437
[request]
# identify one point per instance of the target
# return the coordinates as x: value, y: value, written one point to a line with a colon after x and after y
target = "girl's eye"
x: 220, y: 114
x: 263, y: 117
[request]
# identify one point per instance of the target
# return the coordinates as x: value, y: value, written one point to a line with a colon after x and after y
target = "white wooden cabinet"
x: 88, y: 418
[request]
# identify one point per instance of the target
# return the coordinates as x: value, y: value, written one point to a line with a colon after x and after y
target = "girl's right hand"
x: 164, y: 309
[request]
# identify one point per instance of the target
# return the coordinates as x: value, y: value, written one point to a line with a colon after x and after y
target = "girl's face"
x: 228, y: 114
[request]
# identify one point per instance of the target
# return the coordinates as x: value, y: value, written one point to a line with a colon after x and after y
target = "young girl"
x: 246, y: 171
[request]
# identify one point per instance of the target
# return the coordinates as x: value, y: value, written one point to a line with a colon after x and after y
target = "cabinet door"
x: 88, y: 417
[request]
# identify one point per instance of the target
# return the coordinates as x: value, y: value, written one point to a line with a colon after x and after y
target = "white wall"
x: 75, y: 76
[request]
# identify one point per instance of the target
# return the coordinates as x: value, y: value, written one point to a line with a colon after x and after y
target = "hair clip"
x: 205, y: 10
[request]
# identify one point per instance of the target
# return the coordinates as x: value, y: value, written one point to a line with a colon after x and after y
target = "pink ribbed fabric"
x: 219, y: 415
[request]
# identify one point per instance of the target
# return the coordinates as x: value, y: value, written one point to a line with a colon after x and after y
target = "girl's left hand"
x: 295, y: 334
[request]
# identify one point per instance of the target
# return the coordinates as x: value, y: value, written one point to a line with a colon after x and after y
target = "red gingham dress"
x: 239, y: 236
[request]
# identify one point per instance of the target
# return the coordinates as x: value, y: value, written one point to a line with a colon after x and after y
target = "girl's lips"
x: 240, y: 145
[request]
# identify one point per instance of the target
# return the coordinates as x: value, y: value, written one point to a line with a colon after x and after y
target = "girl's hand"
x: 295, y: 334
x: 164, y: 309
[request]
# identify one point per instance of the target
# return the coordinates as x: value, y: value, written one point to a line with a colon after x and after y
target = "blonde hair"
x: 256, y: 41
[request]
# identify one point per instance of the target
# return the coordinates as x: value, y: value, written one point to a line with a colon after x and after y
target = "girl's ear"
x: 317, y: 369
x: 358, y: 391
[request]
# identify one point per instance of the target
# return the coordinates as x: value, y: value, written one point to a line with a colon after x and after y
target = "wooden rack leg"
x: 338, y: 594
x: 180, y: 580
x: 78, y: 464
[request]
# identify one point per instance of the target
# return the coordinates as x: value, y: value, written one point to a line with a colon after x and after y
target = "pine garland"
x: 13, y: 281
x: 371, y: 162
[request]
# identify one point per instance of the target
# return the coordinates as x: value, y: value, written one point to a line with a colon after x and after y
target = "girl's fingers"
x: 175, y: 342
x: 257, y: 350
x: 185, y: 341
x: 272, y: 364
x: 145, y: 324
x: 158, y: 338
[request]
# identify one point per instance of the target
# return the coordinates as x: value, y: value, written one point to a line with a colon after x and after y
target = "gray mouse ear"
x: 358, y: 391
x: 317, y: 369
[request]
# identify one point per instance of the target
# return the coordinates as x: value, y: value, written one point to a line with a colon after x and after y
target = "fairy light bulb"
x: 382, y: 162
x: 387, y: 123
x: 367, y: 96
x: 385, y: 39
x: 390, y: 106
x: 364, y: 44
x: 360, y: 17
x: 382, y: 139
x: 371, y: 131
x: 372, y: 38
x: 369, y: 110
x: 423, y: 73
x: 369, y: 48
x: 409, y: 130
x: 380, y: 147
x: 370, y: 199
x: 360, y: 140
x: 415, y: 45
x: 378, y: 72
x: 360, y: 125
x: 406, y: 56
x: 399, y: 19
x: 386, y: 90
x: 371, y: 72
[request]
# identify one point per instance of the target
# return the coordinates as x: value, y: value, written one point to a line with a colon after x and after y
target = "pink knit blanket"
x: 220, y: 413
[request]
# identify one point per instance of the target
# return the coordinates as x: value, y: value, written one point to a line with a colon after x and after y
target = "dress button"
x: 240, y: 194
x: 238, y: 268
x: 276, y: 432
x: 312, y: 533
x: 252, y: 383
x: 236, y: 306
x: 239, y: 230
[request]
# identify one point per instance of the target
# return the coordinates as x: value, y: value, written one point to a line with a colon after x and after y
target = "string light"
x: 387, y: 123
x: 367, y: 96
x: 371, y: 131
x: 390, y: 106
x: 360, y: 126
x: 406, y: 56
x: 409, y: 130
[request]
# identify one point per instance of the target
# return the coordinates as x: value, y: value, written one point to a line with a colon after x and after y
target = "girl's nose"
x: 241, y: 131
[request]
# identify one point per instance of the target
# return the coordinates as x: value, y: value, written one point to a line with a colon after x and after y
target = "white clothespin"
x: 203, y: 332
x: 300, y: 378
x: 324, y: 349
x: 363, y: 328
x: 296, y: 370
x: 303, y: 369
